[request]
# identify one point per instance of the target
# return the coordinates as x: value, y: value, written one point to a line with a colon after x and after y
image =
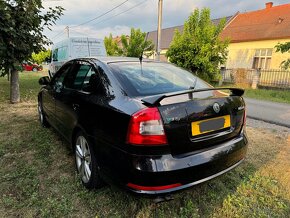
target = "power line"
x: 101, y: 15
x: 84, y: 34
x: 135, y: 6
x: 104, y: 20
x: 58, y: 34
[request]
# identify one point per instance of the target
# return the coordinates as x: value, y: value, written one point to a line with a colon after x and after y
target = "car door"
x: 48, y: 103
x: 48, y: 97
x: 56, y: 87
x: 69, y: 101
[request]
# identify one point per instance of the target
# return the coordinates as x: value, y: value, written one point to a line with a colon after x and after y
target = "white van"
x: 75, y: 47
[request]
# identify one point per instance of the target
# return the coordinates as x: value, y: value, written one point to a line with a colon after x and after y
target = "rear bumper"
x: 163, y: 174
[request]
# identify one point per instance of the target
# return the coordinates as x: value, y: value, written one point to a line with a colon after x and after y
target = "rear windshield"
x: 154, y: 78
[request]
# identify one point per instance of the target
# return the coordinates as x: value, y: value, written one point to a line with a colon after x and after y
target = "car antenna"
x: 190, y: 95
x: 141, y: 56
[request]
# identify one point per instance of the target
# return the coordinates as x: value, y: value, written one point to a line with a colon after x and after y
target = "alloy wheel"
x: 40, y: 113
x: 83, y: 158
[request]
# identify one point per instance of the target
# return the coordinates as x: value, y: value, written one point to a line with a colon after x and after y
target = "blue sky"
x: 175, y: 12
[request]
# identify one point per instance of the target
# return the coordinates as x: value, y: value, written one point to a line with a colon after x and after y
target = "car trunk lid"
x: 197, y: 120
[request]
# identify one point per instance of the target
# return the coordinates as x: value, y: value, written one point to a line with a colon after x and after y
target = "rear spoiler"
x: 155, y: 100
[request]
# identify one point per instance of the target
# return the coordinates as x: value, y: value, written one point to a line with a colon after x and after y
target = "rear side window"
x: 75, y: 79
x: 154, y: 78
x: 80, y: 76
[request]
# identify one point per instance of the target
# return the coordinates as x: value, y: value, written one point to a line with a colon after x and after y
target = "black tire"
x: 42, y: 119
x: 83, y: 162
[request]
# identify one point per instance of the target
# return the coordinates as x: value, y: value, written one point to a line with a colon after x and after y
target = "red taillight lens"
x: 146, y: 128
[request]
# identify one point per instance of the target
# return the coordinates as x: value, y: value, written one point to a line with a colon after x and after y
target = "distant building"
x: 254, y: 36
x: 118, y: 40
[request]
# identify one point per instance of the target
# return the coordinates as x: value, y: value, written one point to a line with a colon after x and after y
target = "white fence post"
x: 222, y: 72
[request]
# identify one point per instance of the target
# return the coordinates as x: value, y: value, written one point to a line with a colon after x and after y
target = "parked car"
x: 150, y: 127
x: 31, y: 67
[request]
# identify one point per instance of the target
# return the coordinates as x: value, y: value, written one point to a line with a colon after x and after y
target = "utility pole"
x: 160, y: 3
x: 67, y: 31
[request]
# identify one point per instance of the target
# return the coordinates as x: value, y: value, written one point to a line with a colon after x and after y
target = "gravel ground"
x: 278, y: 130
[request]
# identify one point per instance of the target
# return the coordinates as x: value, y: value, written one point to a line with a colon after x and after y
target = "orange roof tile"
x: 268, y: 23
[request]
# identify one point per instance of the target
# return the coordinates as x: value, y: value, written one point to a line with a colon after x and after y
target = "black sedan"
x: 150, y: 127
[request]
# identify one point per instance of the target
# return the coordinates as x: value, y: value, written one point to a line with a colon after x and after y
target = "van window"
x: 55, y: 55
x: 62, y: 53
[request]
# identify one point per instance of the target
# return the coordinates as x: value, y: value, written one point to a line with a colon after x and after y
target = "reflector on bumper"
x: 152, y: 188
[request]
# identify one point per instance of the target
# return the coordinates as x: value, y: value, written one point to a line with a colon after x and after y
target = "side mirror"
x: 44, y: 81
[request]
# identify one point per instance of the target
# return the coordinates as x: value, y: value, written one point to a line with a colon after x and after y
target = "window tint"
x: 76, y: 77
x: 154, y: 78
x: 86, y: 82
x: 80, y: 76
x: 93, y: 82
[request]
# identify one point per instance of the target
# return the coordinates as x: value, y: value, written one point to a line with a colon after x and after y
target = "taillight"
x: 146, y: 128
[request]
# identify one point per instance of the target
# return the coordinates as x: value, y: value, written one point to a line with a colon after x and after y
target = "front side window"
x: 58, y: 80
x: 152, y: 78
x: 262, y: 58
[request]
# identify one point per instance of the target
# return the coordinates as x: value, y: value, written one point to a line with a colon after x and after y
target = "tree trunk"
x: 14, y: 87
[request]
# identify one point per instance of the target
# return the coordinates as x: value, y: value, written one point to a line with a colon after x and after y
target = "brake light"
x: 146, y: 128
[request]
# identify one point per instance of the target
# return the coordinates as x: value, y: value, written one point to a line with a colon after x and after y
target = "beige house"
x: 254, y: 35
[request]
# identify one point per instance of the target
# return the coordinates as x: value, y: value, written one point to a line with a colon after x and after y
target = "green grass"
x: 38, y: 179
x: 282, y: 96
x: 277, y: 95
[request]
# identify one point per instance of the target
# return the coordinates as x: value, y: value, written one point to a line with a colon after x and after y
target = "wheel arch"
x: 74, y: 133
x: 75, y: 130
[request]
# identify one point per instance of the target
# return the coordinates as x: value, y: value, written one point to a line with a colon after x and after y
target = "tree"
x: 41, y: 56
x: 283, y: 48
x: 21, y: 26
x: 136, y: 43
x: 112, y: 46
x: 199, y: 48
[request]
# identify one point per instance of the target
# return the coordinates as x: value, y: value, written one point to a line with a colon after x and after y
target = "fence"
x: 263, y: 78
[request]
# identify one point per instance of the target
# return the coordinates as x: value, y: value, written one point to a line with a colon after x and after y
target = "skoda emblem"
x: 216, y: 107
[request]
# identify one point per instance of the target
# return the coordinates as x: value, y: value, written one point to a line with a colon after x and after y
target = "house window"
x: 262, y: 58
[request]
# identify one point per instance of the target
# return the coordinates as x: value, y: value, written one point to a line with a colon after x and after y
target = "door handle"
x: 76, y: 107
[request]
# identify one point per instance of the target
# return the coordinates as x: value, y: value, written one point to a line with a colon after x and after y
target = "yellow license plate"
x: 210, y: 125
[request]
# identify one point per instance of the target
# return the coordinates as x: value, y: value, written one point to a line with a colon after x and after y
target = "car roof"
x: 114, y: 59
